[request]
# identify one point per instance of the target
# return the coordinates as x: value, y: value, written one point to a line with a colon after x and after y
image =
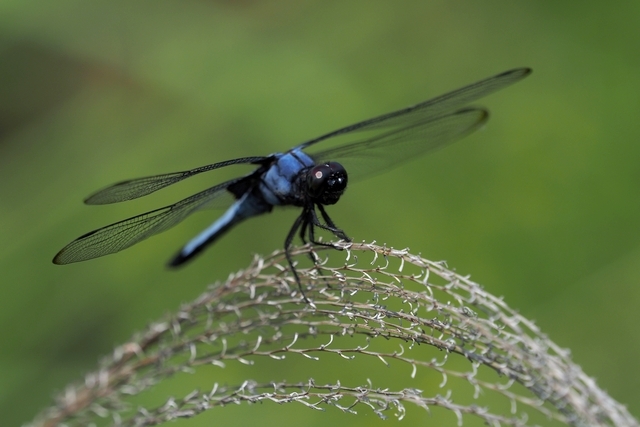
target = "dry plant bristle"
x: 376, y: 305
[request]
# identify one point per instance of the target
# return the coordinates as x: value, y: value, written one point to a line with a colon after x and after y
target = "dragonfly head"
x: 326, y: 182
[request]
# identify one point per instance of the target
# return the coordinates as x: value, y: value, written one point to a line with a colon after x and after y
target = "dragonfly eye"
x: 327, y: 182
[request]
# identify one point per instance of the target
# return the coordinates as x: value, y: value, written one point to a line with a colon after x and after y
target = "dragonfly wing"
x: 384, y: 150
x: 430, y: 109
x: 134, y: 188
x: 123, y: 234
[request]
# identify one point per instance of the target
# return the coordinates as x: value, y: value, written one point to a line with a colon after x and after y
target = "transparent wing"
x: 376, y: 154
x: 429, y: 110
x: 123, y: 234
x: 134, y: 188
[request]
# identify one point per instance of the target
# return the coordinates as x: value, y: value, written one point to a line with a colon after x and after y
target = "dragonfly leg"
x: 311, y: 222
x: 300, y: 221
x: 307, y: 228
x: 306, y: 224
x: 315, y: 222
x: 331, y: 226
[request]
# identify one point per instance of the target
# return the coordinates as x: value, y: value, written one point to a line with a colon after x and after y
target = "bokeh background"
x: 542, y: 206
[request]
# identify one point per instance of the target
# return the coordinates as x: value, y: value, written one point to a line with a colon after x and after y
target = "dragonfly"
x: 309, y: 176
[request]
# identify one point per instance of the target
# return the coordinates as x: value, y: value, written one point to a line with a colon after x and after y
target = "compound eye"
x: 327, y: 182
x: 337, y: 181
x: 317, y: 178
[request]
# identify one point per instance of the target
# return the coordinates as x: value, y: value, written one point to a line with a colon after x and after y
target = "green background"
x: 542, y: 206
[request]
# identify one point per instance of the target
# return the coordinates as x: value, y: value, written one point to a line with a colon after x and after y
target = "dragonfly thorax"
x: 326, y: 182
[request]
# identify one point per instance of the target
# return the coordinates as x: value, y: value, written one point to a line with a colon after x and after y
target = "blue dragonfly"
x: 299, y: 177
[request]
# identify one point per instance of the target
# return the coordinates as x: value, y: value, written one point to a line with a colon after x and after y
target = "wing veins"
x: 434, y: 107
x: 138, y: 187
x: 125, y: 233
x: 407, y: 141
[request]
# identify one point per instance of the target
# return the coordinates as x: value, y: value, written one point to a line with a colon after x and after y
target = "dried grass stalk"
x: 374, y: 305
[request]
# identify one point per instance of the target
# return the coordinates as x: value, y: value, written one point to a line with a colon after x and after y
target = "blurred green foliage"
x: 542, y: 206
